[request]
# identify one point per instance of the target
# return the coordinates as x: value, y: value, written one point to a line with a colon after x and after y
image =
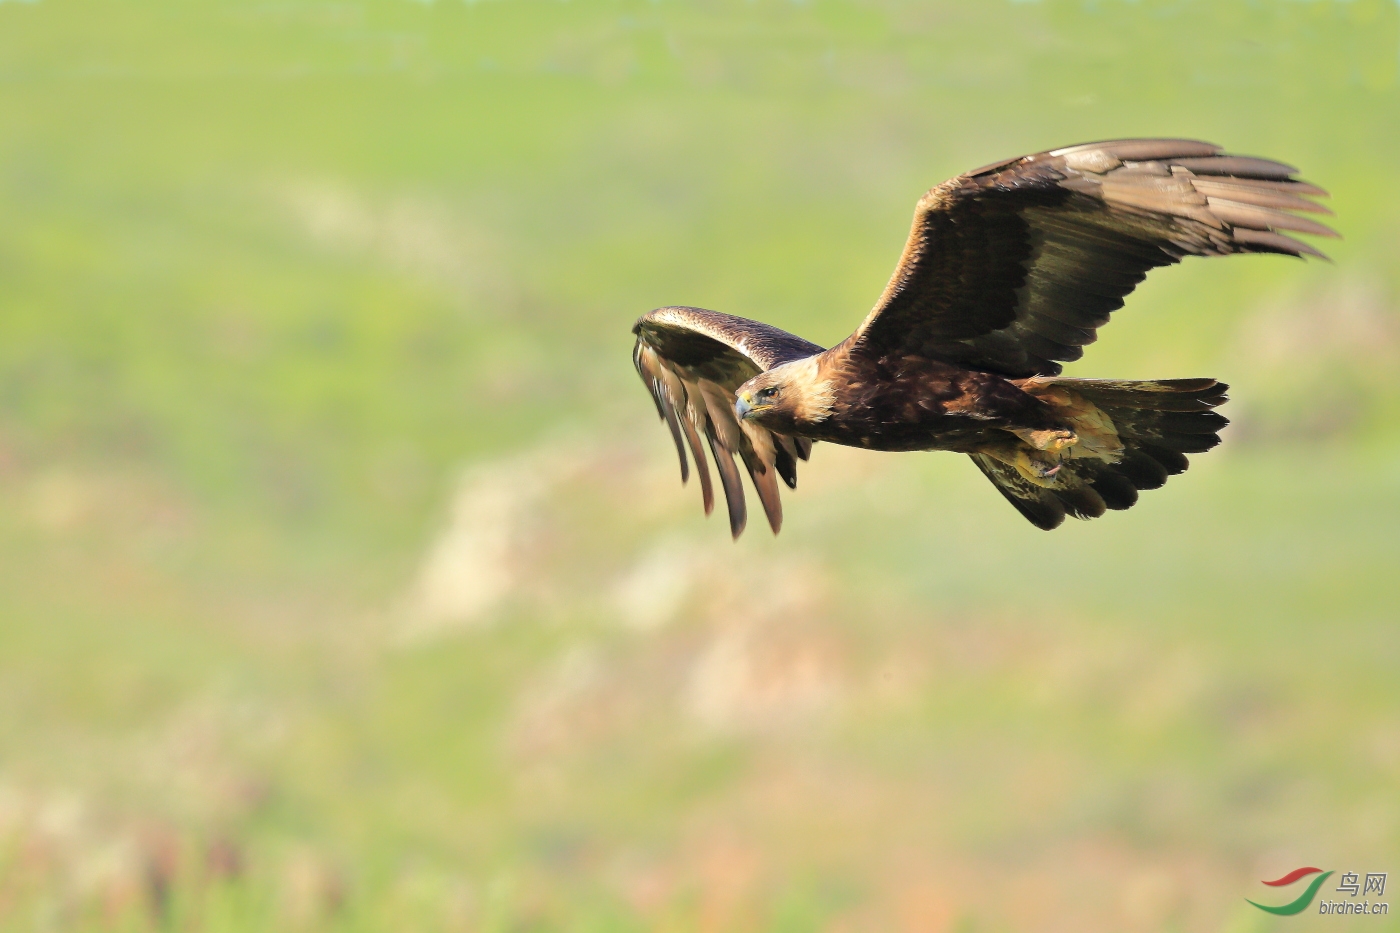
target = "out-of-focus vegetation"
x: 345, y: 578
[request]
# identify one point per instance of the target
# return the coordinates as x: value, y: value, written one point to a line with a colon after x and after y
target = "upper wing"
x: 693, y: 360
x: 1012, y: 267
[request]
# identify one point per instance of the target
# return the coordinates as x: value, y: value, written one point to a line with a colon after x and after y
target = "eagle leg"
x: 1050, y: 440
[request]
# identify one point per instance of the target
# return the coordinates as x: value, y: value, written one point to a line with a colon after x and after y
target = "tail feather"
x: 1142, y: 470
x: 1117, y: 490
x: 1156, y: 424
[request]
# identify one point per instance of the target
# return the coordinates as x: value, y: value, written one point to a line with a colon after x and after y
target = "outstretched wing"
x: 1013, y: 267
x: 692, y: 361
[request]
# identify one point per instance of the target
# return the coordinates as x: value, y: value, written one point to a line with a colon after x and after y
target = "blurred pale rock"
x: 410, y: 234
x: 747, y: 679
x: 313, y: 890
x: 770, y: 661
x: 1150, y: 899
x: 561, y: 704
x: 61, y: 500
x: 477, y: 561
x: 652, y: 592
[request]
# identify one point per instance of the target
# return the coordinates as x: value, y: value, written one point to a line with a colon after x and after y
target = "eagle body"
x: 1008, y: 271
x: 903, y: 402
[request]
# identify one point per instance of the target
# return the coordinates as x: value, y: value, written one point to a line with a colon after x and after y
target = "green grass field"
x: 346, y: 582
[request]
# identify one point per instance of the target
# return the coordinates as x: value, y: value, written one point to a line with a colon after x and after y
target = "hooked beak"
x: 742, y: 406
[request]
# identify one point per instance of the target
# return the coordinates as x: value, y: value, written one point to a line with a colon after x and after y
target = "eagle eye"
x: 768, y: 392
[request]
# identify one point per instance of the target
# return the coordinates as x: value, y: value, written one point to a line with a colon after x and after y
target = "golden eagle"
x: 1008, y: 270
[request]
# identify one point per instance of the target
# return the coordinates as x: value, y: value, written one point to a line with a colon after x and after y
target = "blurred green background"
x: 346, y: 582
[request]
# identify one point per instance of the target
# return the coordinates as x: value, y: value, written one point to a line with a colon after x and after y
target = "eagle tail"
x: 1132, y: 436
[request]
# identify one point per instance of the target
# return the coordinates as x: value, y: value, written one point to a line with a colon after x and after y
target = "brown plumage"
x: 1009, y: 270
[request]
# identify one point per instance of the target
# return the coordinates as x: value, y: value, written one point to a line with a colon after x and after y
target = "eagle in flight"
x: 1008, y: 270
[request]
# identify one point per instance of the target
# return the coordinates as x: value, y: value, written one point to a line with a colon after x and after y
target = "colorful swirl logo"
x: 1304, y: 899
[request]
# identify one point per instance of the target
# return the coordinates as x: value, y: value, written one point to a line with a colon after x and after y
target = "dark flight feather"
x: 691, y: 416
x: 996, y: 259
x: 692, y: 361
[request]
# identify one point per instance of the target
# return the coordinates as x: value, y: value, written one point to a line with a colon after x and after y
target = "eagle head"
x: 786, y: 397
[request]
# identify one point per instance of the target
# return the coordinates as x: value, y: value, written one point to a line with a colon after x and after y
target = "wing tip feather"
x: 1270, y: 241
